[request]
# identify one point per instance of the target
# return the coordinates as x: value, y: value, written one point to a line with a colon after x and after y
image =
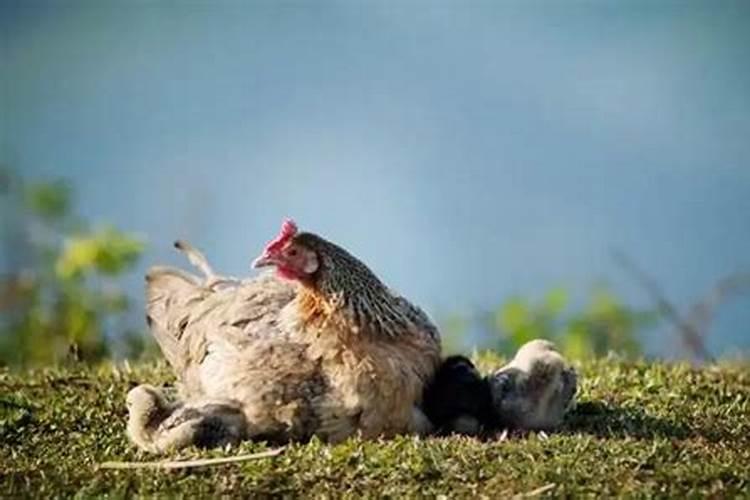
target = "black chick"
x: 458, y: 399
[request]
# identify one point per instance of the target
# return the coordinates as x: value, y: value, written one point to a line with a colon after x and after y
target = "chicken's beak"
x: 264, y: 260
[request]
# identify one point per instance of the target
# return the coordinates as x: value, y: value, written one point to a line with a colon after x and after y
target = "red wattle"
x: 286, y: 273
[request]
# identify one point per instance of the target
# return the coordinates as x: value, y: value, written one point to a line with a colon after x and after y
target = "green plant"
x: 60, y: 299
x: 604, y: 323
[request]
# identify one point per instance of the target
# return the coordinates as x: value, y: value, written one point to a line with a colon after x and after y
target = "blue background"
x: 467, y: 151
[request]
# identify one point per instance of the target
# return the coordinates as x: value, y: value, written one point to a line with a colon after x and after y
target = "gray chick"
x: 158, y: 425
x: 534, y: 390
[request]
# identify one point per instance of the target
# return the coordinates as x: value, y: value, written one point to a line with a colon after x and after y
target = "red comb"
x: 288, y: 230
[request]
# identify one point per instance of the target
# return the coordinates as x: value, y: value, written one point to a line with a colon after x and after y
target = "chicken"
x: 321, y: 348
x: 535, y: 389
x: 458, y: 399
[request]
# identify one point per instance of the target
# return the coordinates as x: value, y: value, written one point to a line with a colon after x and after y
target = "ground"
x: 640, y: 429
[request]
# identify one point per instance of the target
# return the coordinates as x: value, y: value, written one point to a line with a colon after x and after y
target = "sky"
x: 467, y: 151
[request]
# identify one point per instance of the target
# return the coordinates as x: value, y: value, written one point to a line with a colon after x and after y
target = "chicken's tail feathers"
x: 195, y: 257
x: 175, y: 278
x: 169, y: 293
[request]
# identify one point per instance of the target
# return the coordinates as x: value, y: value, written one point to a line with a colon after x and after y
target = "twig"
x: 702, y: 312
x: 536, y: 492
x: 184, y: 464
x: 690, y: 336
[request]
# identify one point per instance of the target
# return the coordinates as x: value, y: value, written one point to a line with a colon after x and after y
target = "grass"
x: 640, y: 429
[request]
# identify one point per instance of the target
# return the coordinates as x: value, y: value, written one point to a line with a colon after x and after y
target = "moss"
x: 639, y: 429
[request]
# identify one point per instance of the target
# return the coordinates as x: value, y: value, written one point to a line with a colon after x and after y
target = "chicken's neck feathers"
x: 344, y: 285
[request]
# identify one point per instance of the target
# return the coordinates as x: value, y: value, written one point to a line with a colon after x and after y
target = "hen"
x: 321, y: 348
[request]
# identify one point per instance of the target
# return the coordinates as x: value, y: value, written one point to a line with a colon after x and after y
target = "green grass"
x: 639, y: 429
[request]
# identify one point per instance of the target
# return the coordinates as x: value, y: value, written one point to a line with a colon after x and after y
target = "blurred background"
x: 573, y: 170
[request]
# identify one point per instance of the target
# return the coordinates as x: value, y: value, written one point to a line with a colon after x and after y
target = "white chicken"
x: 321, y: 348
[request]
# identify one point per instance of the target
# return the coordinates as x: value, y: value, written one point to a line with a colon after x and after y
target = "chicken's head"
x: 293, y: 259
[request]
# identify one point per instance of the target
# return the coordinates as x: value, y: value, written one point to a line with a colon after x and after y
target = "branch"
x: 184, y: 464
x: 703, y: 311
x: 536, y: 492
x: 691, y: 338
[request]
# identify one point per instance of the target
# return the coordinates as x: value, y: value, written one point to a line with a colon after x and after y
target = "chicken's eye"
x: 293, y: 252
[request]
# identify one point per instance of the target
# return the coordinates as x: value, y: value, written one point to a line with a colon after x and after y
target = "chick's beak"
x: 264, y: 260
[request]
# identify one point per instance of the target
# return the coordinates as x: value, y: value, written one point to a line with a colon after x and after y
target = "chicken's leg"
x: 158, y: 426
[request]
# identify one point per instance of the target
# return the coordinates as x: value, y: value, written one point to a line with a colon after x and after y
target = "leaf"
x: 117, y: 251
x: 78, y: 255
x: 603, y: 303
x: 513, y: 315
x: 107, y: 251
x: 555, y: 301
x: 49, y: 200
x: 576, y: 343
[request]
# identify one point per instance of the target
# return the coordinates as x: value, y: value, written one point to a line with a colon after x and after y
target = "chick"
x: 157, y: 425
x: 534, y: 390
x: 458, y: 399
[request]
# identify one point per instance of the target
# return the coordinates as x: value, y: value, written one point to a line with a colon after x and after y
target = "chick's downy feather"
x: 534, y: 390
